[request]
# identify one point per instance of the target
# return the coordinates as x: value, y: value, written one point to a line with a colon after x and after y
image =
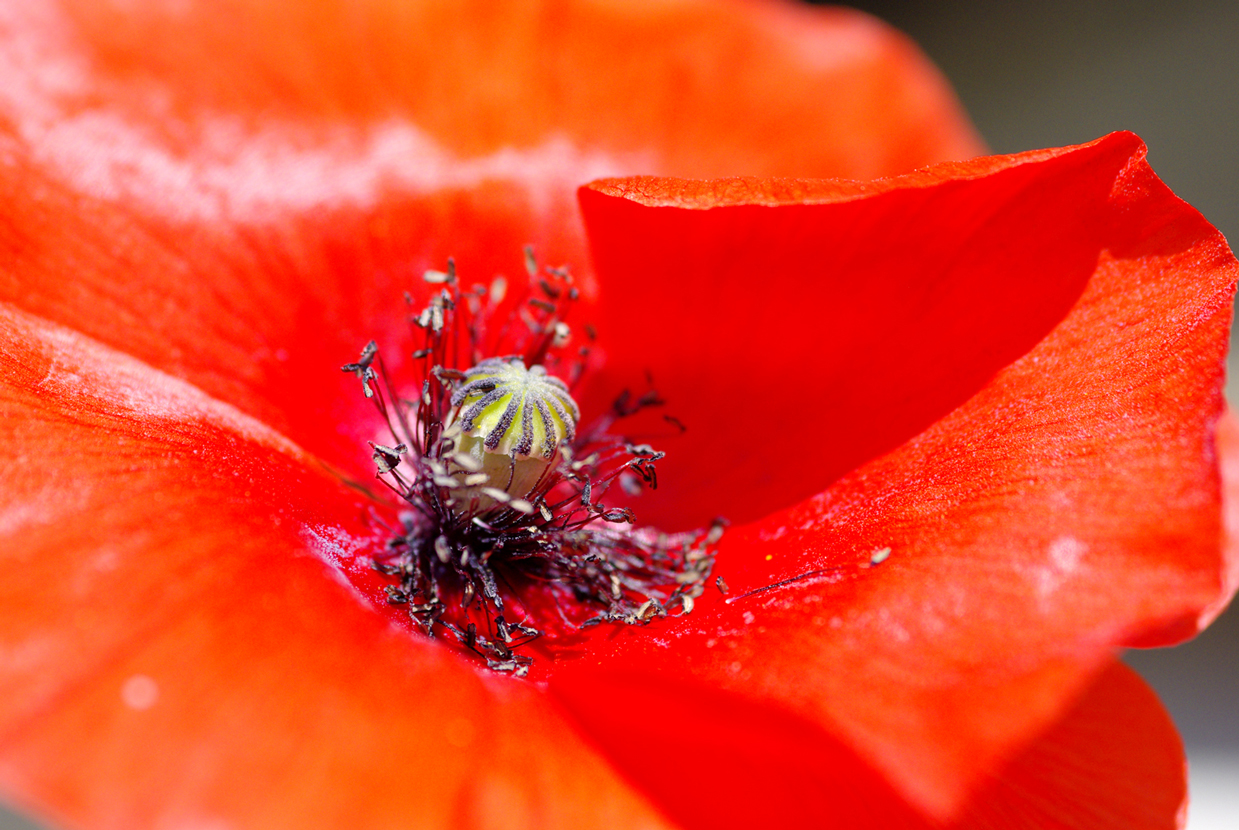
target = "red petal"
x: 238, y: 193
x: 687, y: 87
x: 862, y: 313
x: 1055, y: 323
x: 175, y: 657
x: 260, y: 310
x: 1112, y: 761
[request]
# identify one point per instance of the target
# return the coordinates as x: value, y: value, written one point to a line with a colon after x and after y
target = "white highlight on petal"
x: 340, y: 550
x: 228, y: 168
x: 1065, y: 553
x: 112, y: 382
x: 18, y: 516
x: 97, y: 378
x: 343, y: 554
x: 236, y: 173
x: 140, y: 692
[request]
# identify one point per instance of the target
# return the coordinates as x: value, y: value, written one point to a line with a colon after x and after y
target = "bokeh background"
x: 1056, y: 72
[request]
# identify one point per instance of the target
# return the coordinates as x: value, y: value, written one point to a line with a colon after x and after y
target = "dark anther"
x: 447, y: 374
x: 387, y: 458
x: 363, y: 369
x: 367, y: 357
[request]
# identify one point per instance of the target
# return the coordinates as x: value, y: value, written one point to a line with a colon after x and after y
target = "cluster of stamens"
x: 507, y: 530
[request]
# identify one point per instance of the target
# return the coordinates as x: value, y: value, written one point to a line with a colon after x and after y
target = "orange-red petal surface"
x: 689, y: 87
x: 1005, y: 371
x: 1114, y: 761
x: 238, y: 193
x: 175, y: 654
x: 1111, y: 761
x: 202, y: 696
x: 1062, y: 498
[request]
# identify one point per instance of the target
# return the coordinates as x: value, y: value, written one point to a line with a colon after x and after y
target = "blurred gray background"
x: 1056, y: 72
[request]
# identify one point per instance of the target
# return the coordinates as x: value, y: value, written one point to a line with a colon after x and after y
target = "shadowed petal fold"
x: 1111, y: 761
x: 997, y: 379
x: 1114, y: 761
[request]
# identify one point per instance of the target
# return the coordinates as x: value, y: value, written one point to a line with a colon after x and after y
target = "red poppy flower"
x: 962, y: 420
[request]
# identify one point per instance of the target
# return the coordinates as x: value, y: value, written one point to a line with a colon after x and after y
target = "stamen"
x: 508, y: 496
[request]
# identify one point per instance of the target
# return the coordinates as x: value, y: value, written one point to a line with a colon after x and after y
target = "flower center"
x: 508, y: 422
x: 514, y: 410
x: 509, y: 534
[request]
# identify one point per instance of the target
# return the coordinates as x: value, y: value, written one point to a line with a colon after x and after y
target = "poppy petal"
x: 176, y: 655
x: 1057, y: 344
x: 1114, y: 761
x: 861, y: 313
x: 690, y: 87
x: 239, y: 193
x: 261, y: 316
x: 1111, y: 761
